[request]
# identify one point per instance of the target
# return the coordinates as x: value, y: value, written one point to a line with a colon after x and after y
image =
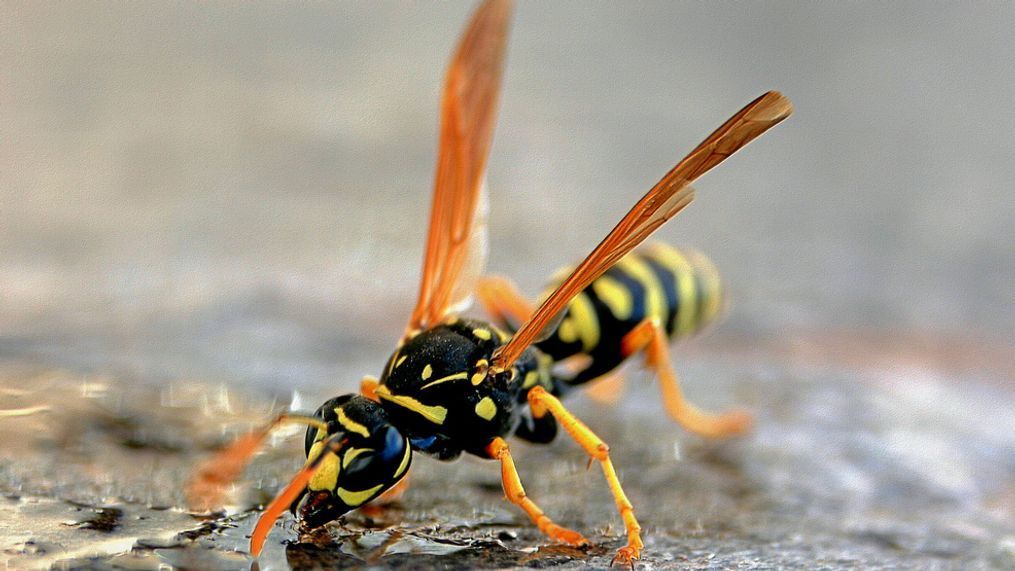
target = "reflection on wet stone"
x: 843, y: 469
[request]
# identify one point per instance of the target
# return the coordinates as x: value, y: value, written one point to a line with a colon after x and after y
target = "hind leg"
x: 649, y: 335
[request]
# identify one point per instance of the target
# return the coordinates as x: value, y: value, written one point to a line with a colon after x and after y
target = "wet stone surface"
x: 848, y: 466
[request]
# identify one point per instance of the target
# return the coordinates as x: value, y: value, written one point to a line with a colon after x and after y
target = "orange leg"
x: 501, y: 299
x: 541, y: 403
x: 516, y: 494
x: 649, y: 335
x: 607, y: 390
x: 207, y: 487
x: 368, y: 388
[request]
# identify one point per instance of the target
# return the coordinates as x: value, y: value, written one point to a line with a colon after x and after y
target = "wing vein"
x: 663, y: 201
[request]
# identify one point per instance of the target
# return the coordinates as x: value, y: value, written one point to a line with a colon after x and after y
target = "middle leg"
x: 541, y: 403
x: 502, y: 301
x: 516, y: 494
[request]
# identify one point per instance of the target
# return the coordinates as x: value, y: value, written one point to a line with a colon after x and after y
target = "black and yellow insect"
x: 457, y: 385
x: 652, y: 296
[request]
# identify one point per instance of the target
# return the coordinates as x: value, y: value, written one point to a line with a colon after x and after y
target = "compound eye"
x: 394, y: 444
x: 378, y: 461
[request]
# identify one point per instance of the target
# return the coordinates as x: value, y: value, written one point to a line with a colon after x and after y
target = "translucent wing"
x: 475, y: 257
x: 668, y: 197
x: 455, y: 248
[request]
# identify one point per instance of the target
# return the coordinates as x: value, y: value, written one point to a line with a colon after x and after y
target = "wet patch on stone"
x: 103, y: 519
x: 844, y: 469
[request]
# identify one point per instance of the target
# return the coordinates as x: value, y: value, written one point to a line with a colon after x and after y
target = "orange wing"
x: 468, y: 108
x: 668, y: 197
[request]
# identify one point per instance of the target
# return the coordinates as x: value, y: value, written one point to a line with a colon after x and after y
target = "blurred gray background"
x: 238, y: 192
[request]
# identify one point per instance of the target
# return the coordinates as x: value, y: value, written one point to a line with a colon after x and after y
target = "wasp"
x: 455, y: 385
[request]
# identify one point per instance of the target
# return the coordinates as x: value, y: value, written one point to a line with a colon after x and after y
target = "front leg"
x: 209, y: 484
x: 541, y: 403
x: 368, y: 388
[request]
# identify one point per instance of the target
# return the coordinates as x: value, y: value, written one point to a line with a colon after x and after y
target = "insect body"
x: 440, y: 390
x: 456, y: 385
x: 678, y: 289
x: 653, y: 295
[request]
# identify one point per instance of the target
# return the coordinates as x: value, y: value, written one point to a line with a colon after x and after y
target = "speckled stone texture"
x: 876, y: 467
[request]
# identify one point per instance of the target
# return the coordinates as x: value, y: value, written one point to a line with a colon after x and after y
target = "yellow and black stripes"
x: 370, y: 456
x: 693, y: 288
x: 680, y: 289
x: 440, y: 390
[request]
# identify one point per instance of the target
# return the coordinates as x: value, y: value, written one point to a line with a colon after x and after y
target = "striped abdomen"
x: 680, y: 288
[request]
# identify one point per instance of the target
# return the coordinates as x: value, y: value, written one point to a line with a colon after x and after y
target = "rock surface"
x: 847, y: 467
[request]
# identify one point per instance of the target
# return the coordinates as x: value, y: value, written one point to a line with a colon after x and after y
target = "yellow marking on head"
x: 400, y: 360
x: 531, y: 378
x: 486, y: 409
x: 616, y: 297
x: 655, y: 296
x: 351, y: 455
x: 405, y: 461
x: 351, y: 425
x: 481, y: 333
x: 435, y: 414
x: 427, y: 371
x: 482, y: 369
x: 683, y: 274
x: 454, y: 377
x: 583, y: 315
x: 501, y: 334
x: 357, y: 498
x: 326, y: 475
